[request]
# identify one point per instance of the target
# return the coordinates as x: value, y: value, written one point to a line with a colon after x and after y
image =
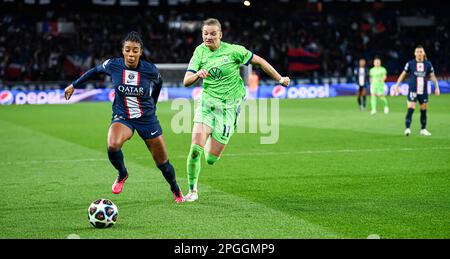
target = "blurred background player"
x: 137, y: 86
x: 418, y: 70
x: 362, y: 80
x: 217, y: 63
x: 378, y: 75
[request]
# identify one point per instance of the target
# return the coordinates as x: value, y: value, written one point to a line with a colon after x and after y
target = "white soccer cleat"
x: 386, y: 110
x: 407, y: 132
x: 373, y: 112
x: 191, y: 196
x: 425, y: 132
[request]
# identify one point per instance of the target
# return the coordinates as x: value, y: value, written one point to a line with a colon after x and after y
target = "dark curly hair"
x: 134, y: 37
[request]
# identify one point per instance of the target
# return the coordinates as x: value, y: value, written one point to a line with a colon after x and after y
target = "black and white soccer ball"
x: 103, y: 213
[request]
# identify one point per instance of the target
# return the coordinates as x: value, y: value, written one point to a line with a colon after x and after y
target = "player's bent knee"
x: 114, y: 145
x: 196, y: 151
x: 195, y: 154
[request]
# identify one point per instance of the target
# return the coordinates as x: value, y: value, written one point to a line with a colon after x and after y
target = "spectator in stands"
x: 336, y: 35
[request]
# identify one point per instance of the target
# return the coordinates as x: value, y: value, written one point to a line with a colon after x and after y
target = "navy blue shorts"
x: 145, y: 128
x: 414, y: 97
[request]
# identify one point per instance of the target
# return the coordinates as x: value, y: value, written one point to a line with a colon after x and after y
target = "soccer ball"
x: 103, y: 213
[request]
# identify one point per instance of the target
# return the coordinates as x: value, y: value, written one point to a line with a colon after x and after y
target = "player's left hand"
x: 285, y: 81
x: 437, y: 92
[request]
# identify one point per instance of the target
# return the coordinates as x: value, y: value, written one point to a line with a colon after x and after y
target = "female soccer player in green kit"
x: 378, y: 75
x: 217, y: 63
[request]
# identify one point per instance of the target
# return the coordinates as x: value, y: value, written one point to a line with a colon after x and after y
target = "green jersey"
x: 223, y: 65
x: 377, y: 74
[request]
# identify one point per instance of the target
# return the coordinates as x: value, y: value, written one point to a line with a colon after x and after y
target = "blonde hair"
x: 212, y: 21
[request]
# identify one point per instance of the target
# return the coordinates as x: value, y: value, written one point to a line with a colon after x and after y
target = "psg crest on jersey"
x: 132, y: 78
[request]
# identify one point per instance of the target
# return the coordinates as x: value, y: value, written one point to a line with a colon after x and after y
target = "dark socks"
x: 423, y: 118
x: 408, y: 118
x: 116, y: 159
x: 169, y: 174
x: 364, y: 101
x: 359, y: 101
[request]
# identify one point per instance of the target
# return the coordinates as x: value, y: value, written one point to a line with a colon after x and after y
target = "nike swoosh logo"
x: 153, y: 133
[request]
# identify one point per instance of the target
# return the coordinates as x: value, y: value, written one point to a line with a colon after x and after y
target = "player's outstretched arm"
x: 190, y: 77
x: 399, y: 81
x: 71, y: 88
x: 269, y: 70
x: 433, y: 78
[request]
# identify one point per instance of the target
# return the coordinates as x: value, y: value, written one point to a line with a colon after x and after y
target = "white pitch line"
x: 53, y: 161
x: 337, y: 151
x: 304, y: 152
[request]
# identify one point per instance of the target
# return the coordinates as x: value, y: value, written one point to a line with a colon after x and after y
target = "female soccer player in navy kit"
x: 137, y: 86
x: 362, y: 80
x: 418, y: 70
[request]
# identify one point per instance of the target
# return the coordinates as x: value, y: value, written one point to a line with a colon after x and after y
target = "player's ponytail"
x: 134, y: 37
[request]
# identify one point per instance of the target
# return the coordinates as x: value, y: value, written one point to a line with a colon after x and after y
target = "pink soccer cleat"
x: 178, y: 197
x: 118, y: 185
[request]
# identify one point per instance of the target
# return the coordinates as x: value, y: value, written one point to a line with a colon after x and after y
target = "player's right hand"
x: 395, y: 90
x: 285, y: 81
x: 437, y: 92
x: 202, y: 73
x: 68, y: 91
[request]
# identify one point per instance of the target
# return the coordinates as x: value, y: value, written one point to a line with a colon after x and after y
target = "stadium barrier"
x: 299, y: 91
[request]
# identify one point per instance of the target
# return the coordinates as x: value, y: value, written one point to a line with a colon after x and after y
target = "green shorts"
x: 377, y: 89
x: 220, y: 115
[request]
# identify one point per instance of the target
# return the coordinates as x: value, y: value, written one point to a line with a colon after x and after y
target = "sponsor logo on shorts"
x: 118, y: 118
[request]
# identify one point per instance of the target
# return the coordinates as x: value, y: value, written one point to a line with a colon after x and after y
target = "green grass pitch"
x: 334, y: 173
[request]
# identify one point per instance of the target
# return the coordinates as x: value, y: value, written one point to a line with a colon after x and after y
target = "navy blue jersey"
x: 418, y: 74
x: 136, y: 90
x: 362, y: 76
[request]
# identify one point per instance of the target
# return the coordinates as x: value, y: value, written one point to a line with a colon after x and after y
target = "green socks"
x: 385, y: 101
x: 373, y: 102
x: 194, y: 165
x: 210, y: 159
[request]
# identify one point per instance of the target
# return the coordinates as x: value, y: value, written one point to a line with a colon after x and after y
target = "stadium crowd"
x: 32, y: 50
